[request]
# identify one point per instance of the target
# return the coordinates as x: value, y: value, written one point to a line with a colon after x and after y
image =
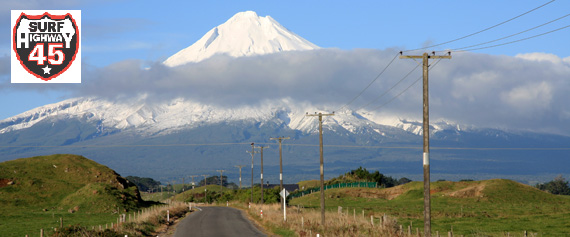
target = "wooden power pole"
x: 221, y: 179
x: 320, y: 115
x: 193, y: 180
x: 427, y: 203
x: 261, y: 152
x: 239, y: 167
x: 252, y: 155
x: 280, y: 139
x: 205, y: 179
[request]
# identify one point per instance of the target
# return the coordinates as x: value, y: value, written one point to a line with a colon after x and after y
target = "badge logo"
x: 46, y: 46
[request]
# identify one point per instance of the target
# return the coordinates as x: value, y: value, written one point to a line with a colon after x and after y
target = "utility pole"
x: 261, y: 151
x: 252, y: 154
x: 205, y: 180
x: 239, y: 166
x: 183, y: 184
x: 427, y: 203
x: 221, y: 179
x: 320, y: 115
x: 193, y: 179
x: 280, y: 139
x: 205, y: 190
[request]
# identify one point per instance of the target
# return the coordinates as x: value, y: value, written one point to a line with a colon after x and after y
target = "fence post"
x: 61, y: 222
x: 41, y: 232
x: 372, y: 220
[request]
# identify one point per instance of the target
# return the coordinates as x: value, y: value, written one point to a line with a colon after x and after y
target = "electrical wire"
x: 486, y: 29
x: 376, y: 78
x: 301, y: 145
x: 514, y: 41
x: 398, y: 95
x: 386, y: 92
x: 459, y: 50
x: 509, y: 36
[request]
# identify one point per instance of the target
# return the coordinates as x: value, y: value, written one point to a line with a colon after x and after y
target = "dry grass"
x: 143, y: 223
x: 307, y: 222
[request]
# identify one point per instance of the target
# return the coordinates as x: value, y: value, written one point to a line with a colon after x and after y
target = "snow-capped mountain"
x: 150, y: 119
x: 138, y: 137
x: 244, y: 34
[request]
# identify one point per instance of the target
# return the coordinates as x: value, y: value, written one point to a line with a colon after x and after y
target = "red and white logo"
x: 46, y: 47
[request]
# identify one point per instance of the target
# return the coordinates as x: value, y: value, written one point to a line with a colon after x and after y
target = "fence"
x: 339, y: 185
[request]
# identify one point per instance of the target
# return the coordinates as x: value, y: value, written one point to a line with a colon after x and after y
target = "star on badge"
x: 46, y: 69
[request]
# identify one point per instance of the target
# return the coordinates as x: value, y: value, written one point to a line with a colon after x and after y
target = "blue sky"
x: 151, y: 31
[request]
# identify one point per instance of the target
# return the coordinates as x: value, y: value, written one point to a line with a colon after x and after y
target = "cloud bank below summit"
x: 526, y: 92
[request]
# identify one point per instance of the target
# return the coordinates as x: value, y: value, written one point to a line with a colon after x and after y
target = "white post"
x: 167, y: 215
x: 284, y: 210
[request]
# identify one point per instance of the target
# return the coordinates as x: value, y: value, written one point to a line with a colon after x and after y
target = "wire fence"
x: 339, y: 185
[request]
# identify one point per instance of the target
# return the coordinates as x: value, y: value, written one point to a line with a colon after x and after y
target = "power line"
x: 386, y: 92
x: 398, y: 95
x: 311, y: 145
x: 486, y: 29
x: 372, y: 82
x: 440, y: 148
x: 509, y: 36
x: 515, y: 41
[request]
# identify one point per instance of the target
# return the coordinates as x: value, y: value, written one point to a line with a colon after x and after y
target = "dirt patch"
x: 394, y: 192
x: 384, y: 193
x: 469, y: 192
x: 5, y: 182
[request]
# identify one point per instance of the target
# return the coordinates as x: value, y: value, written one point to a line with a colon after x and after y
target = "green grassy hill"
x: 489, y: 207
x: 35, y: 192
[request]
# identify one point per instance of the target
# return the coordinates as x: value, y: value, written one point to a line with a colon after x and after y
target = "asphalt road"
x: 216, y: 221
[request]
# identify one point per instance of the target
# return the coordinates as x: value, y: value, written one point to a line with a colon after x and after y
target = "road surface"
x: 216, y: 221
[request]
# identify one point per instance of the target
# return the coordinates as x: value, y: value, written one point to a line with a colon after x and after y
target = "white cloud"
x: 475, y: 89
x: 548, y: 57
x: 530, y: 97
x: 566, y: 60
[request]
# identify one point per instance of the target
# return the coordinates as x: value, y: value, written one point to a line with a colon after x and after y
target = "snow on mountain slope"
x: 162, y: 118
x: 412, y: 126
x: 244, y: 34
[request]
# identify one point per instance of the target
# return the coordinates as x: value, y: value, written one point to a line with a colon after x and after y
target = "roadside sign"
x: 284, y: 193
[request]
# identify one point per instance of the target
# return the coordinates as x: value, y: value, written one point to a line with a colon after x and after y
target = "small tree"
x: 558, y: 186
